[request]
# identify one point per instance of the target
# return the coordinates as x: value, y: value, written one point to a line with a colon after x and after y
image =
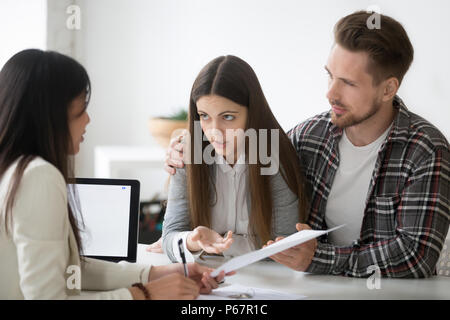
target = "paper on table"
x: 233, y: 291
x: 254, y: 256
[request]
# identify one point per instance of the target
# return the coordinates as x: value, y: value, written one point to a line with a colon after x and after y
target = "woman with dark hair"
x: 232, y: 203
x: 43, y: 101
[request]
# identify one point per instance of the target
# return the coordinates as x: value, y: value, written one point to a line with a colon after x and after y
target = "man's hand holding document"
x: 281, y: 245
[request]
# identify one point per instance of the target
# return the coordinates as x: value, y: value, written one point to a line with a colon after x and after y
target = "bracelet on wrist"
x: 143, y: 289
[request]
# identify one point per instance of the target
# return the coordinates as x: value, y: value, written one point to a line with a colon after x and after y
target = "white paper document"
x: 239, y: 292
x: 254, y: 256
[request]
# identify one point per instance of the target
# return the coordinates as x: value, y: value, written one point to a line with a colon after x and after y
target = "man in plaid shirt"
x: 373, y: 165
x: 406, y: 217
x: 370, y: 139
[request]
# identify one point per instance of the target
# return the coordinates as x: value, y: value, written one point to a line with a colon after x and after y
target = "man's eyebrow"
x: 343, y: 79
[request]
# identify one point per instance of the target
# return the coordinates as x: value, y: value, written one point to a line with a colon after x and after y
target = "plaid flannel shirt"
x: 406, y: 218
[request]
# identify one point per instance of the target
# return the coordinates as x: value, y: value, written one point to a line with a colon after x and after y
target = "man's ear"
x: 390, y: 88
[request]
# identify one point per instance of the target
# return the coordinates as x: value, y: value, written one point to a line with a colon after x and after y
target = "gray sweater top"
x: 176, y: 219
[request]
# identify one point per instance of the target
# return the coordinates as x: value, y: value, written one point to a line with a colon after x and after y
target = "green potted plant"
x: 162, y: 128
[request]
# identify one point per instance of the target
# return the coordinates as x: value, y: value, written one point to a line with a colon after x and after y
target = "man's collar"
x: 402, y: 122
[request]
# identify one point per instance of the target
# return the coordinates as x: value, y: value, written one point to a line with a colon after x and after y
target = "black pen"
x: 183, y: 258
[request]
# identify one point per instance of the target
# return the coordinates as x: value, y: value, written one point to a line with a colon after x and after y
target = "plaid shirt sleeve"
x: 422, y: 222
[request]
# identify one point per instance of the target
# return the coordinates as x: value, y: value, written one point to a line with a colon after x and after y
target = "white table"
x: 271, y: 275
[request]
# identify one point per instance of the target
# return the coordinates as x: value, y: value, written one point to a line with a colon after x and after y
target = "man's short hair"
x: 389, y: 49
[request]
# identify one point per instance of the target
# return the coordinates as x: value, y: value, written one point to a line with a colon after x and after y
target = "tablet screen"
x: 107, y: 209
x: 106, y: 213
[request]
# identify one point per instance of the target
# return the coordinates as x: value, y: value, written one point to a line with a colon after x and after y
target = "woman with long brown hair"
x: 43, y: 101
x: 228, y: 199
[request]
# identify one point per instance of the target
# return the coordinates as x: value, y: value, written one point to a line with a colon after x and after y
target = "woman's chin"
x: 219, y: 151
x: 74, y: 150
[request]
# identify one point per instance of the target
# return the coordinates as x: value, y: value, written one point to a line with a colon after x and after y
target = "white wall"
x: 22, y: 26
x: 143, y: 56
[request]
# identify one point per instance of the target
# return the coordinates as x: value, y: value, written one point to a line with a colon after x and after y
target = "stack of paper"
x: 286, y: 243
x: 239, y: 292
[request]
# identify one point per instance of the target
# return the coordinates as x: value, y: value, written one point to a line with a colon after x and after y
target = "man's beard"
x: 349, y: 120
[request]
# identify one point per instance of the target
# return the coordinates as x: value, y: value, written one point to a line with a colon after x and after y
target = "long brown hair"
x: 232, y: 78
x: 36, y: 89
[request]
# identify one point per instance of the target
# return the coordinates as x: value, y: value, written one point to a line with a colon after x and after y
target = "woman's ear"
x: 390, y: 88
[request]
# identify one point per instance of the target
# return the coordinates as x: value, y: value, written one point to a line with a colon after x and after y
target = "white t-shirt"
x: 347, y: 199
